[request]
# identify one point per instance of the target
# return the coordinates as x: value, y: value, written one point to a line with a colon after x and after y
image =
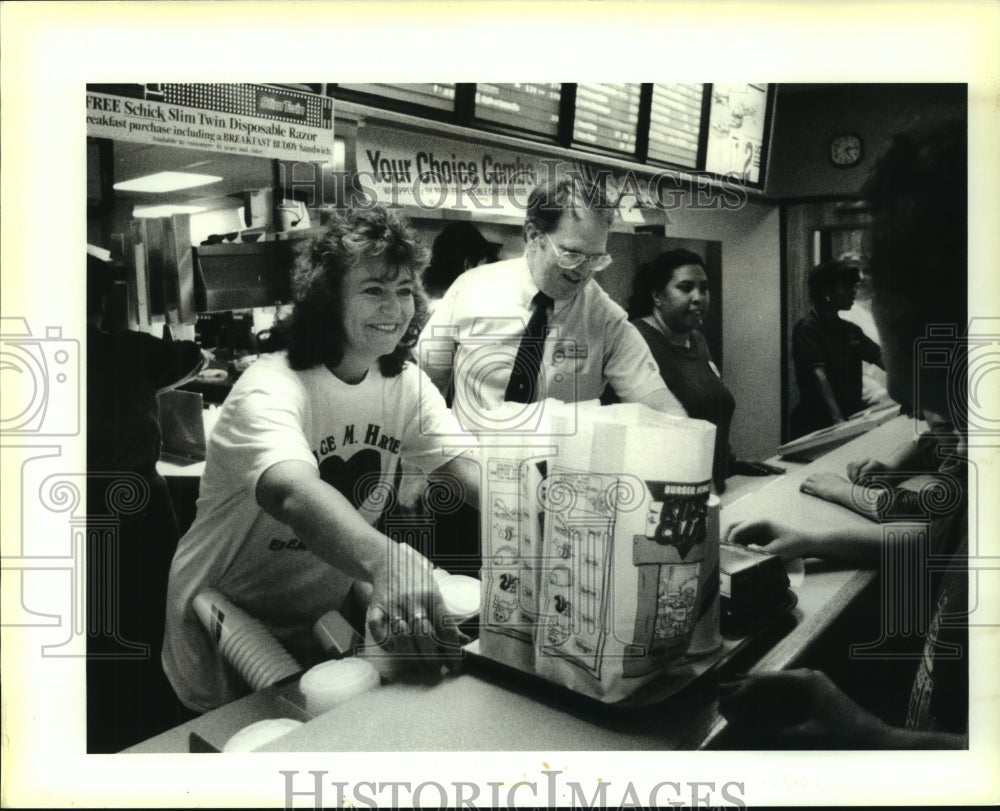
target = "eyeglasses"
x: 573, y: 259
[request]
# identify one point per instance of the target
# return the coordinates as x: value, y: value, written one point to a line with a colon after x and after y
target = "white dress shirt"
x: 469, y: 344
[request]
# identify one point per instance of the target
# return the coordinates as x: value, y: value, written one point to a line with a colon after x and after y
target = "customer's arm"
x: 803, y: 708
x: 861, y: 546
x: 908, y: 456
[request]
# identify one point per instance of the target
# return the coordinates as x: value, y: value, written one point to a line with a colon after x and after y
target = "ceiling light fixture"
x: 166, y: 181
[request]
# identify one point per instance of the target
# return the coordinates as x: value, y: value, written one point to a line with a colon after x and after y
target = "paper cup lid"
x: 331, y: 682
x: 461, y: 594
x: 257, y: 734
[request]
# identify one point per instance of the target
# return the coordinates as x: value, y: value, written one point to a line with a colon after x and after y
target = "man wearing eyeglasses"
x: 535, y: 327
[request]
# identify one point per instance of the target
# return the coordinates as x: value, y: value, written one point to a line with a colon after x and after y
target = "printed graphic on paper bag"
x: 675, y: 602
x: 668, y: 559
x: 579, y: 533
x: 502, y: 551
x: 676, y: 515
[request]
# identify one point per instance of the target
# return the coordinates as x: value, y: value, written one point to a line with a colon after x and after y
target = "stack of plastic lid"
x: 331, y: 683
x: 461, y: 595
x: 252, y: 737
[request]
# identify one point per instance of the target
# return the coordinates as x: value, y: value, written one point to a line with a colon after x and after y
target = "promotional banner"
x: 396, y: 167
x: 245, y: 119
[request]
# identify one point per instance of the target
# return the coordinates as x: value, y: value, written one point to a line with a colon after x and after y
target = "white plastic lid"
x: 328, y: 684
x: 461, y: 594
x: 257, y: 734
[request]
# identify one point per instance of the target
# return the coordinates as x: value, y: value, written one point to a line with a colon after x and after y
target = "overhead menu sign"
x: 607, y: 116
x: 675, y: 124
x: 530, y: 107
x: 736, y: 130
x: 439, y: 95
x: 410, y: 169
x: 244, y: 119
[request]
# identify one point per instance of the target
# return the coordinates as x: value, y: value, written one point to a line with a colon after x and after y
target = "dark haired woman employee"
x: 300, y: 464
x: 668, y: 304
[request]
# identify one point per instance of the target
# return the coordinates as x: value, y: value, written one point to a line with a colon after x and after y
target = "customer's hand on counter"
x: 772, y: 537
x: 827, y: 486
x: 865, y: 467
x: 853, y: 545
x: 804, y: 709
x: 863, y: 499
x: 800, y: 708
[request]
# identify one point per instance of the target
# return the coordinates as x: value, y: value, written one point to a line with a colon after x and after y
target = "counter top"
x: 488, y: 709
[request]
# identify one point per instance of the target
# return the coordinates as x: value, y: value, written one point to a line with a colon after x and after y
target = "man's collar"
x: 527, y: 289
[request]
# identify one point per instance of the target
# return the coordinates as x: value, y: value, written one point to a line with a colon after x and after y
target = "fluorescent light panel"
x: 164, y: 210
x: 166, y: 181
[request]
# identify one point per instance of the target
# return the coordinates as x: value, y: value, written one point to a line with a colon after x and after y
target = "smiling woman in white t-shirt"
x: 300, y: 466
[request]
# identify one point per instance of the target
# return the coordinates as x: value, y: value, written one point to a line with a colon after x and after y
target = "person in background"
x: 128, y: 697
x: 668, y: 305
x: 873, y: 391
x: 918, y: 193
x: 458, y: 248
x: 300, y: 466
x: 828, y: 351
x: 547, y: 297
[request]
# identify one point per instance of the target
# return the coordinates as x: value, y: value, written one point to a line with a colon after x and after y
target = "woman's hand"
x: 782, y: 540
x: 405, y: 613
x: 799, y: 708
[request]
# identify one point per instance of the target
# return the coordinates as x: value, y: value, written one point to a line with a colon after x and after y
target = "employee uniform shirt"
x: 690, y: 374
x: 472, y: 338
x: 354, y: 435
x: 839, y: 347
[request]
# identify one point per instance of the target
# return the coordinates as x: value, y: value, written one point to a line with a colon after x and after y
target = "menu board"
x: 675, y: 124
x: 736, y: 130
x: 531, y: 107
x: 440, y: 96
x: 607, y: 116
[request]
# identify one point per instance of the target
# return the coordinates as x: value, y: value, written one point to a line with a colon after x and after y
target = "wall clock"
x: 846, y: 150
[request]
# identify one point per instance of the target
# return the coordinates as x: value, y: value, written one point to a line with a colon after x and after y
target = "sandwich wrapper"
x: 599, y: 556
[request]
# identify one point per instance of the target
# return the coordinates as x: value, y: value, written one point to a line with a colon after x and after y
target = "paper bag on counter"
x: 613, y: 590
x: 512, y: 522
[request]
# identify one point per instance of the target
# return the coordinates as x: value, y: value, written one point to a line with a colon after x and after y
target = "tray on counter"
x: 686, y: 673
